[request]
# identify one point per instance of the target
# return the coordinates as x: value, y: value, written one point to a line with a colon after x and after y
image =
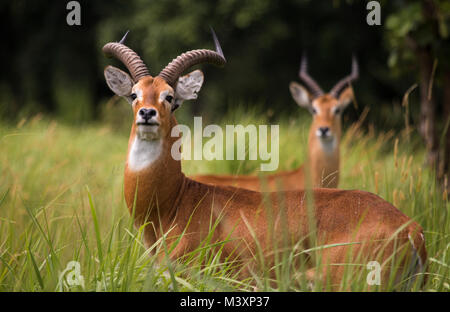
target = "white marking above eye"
x: 336, y: 108
x: 138, y: 92
x: 316, y: 108
x: 163, y: 95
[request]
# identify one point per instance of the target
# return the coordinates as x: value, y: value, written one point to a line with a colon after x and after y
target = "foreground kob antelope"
x: 250, y: 224
x: 322, y: 163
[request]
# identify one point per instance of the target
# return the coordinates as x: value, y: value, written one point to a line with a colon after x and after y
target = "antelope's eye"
x: 133, y: 96
x: 313, y: 110
x: 337, y: 111
x: 169, y: 98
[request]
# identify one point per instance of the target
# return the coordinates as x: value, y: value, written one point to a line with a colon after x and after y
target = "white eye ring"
x: 337, y: 110
x: 169, y: 98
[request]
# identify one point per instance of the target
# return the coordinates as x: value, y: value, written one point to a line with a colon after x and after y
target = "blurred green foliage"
x: 408, y: 24
x: 58, y: 69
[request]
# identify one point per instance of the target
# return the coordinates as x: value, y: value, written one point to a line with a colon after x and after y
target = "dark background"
x: 50, y: 67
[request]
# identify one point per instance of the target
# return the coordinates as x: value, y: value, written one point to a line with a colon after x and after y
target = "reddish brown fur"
x: 168, y: 200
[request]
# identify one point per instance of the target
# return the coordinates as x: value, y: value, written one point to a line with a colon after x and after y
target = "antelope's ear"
x: 187, y: 87
x: 346, y: 97
x: 119, y: 81
x: 300, y: 94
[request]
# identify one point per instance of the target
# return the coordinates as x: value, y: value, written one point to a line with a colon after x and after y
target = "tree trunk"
x: 427, y: 106
x: 444, y: 166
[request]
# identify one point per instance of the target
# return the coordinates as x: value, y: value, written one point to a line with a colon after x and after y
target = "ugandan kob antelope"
x: 164, y: 200
x: 322, y: 163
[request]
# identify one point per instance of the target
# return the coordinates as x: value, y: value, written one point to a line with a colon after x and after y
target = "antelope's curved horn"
x: 188, y: 59
x: 311, y: 83
x: 346, y: 80
x: 128, y: 57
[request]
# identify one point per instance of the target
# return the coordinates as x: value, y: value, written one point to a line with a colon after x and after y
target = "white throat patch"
x: 143, y: 153
x: 328, y: 146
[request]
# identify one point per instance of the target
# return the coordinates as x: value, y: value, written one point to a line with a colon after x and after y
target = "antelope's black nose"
x: 147, y: 113
x: 324, y: 131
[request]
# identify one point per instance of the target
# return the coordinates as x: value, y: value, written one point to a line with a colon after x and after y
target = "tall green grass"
x: 61, y: 200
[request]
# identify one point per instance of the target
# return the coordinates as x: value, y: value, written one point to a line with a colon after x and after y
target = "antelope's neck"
x: 323, y: 161
x: 153, y: 179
